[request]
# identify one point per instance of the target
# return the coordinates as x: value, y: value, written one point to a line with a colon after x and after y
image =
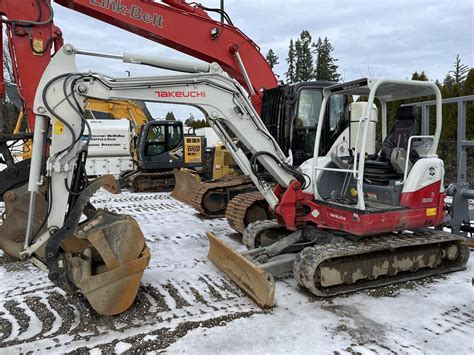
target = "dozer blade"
x: 186, y: 181
x: 106, y: 259
x: 258, y: 284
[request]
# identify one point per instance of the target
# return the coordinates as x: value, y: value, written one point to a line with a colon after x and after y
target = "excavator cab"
x: 163, y: 145
x: 291, y: 114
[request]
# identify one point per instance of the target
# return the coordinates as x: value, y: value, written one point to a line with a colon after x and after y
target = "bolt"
x: 24, y: 255
x: 41, y: 109
x: 9, y: 196
x: 50, y: 255
x: 80, y: 232
x: 82, y: 89
x: 68, y: 49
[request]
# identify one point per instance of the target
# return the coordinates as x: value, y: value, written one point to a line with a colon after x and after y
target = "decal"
x: 134, y: 12
x: 336, y: 216
x: 58, y: 127
x: 315, y: 213
x: 178, y: 94
x: 430, y: 212
x: 37, y: 44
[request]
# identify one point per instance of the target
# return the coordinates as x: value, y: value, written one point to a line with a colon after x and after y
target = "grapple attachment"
x: 105, y: 259
x: 258, y: 284
x: 186, y: 181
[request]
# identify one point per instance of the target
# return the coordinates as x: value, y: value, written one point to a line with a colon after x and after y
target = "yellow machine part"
x: 193, y: 150
x: 120, y: 109
x: 258, y: 284
x: 28, y: 144
x: 186, y: 180
x: 223, y: 162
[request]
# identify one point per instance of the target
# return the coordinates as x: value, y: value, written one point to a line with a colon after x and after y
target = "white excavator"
x: 342, y: 223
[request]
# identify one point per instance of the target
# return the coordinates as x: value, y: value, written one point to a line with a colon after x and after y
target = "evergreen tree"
x: 291, y: 60
x: 326, y: 67
x: 304, y: 58
x: 170, y: 116
x: 272, y: 58
x: 468, y: 87
x: 460, y: 71
x: 419, y: 76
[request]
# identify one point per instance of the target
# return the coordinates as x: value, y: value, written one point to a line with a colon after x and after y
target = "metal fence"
x: 458, y: 156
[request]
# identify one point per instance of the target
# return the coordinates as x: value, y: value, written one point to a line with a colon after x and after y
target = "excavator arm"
x: 105, y: 252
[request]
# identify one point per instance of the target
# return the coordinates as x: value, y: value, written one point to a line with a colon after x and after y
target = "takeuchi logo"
x: 171, y: 94
x: 133, y: 11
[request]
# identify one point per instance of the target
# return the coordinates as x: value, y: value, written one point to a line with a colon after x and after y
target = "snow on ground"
x: 186, y: 305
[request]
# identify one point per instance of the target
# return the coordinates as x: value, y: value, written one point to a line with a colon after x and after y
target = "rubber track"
x: 237, y: 209
x: 199, y: 193
x: 249, y: 236
x: 308, y: 260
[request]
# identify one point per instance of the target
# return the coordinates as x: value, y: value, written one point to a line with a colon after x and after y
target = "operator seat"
x: 379, y: 168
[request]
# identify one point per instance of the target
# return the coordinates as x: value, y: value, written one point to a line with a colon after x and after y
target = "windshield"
x: 162, y: 138
x: 309, y: 107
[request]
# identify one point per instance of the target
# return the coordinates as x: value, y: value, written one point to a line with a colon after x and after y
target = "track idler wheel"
x: 105, y: 260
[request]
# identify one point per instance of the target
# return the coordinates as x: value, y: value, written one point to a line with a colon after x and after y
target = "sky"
x: 371, y: 38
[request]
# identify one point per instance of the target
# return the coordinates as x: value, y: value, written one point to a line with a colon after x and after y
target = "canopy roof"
x: 388, y: 90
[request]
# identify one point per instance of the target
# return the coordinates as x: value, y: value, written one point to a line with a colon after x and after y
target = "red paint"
x: 28, y: 66
x: 427, y: 196
x: 420, y: 214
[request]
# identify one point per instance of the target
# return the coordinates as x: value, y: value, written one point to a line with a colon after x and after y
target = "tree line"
x: 308, y: 60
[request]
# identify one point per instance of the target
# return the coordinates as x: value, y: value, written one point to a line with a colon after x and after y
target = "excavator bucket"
x: 186, y: 181
x: 258, y: 284
x: 112, y: 256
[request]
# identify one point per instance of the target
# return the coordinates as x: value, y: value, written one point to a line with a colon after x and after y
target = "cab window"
x: 308, y: 108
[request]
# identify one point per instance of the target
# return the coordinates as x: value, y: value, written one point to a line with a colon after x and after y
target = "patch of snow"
x: 121, y: 347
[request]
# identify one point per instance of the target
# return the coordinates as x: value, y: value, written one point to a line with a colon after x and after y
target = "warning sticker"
x: 37, y: 46
x: 431, y: 212
x: 58, y: 127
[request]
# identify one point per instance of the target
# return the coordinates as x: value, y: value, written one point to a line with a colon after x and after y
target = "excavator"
x: 290, y: 111
x: 342, y: 223
x: 105, y: 252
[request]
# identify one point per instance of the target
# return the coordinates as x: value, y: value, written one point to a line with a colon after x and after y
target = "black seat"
x: 379, y: 168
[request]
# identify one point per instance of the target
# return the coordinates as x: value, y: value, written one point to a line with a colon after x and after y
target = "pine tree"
x: 326, y: 67
x: 291, y: 60
x: 468, y: 87
x: 170, y: 116
x: 304, y: 57
x: 272, y: 58
x: 460, y: 71
x: 419, y: 76
x: 297, y: 60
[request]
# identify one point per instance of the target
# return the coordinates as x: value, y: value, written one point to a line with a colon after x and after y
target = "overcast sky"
x: 375, y: 38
